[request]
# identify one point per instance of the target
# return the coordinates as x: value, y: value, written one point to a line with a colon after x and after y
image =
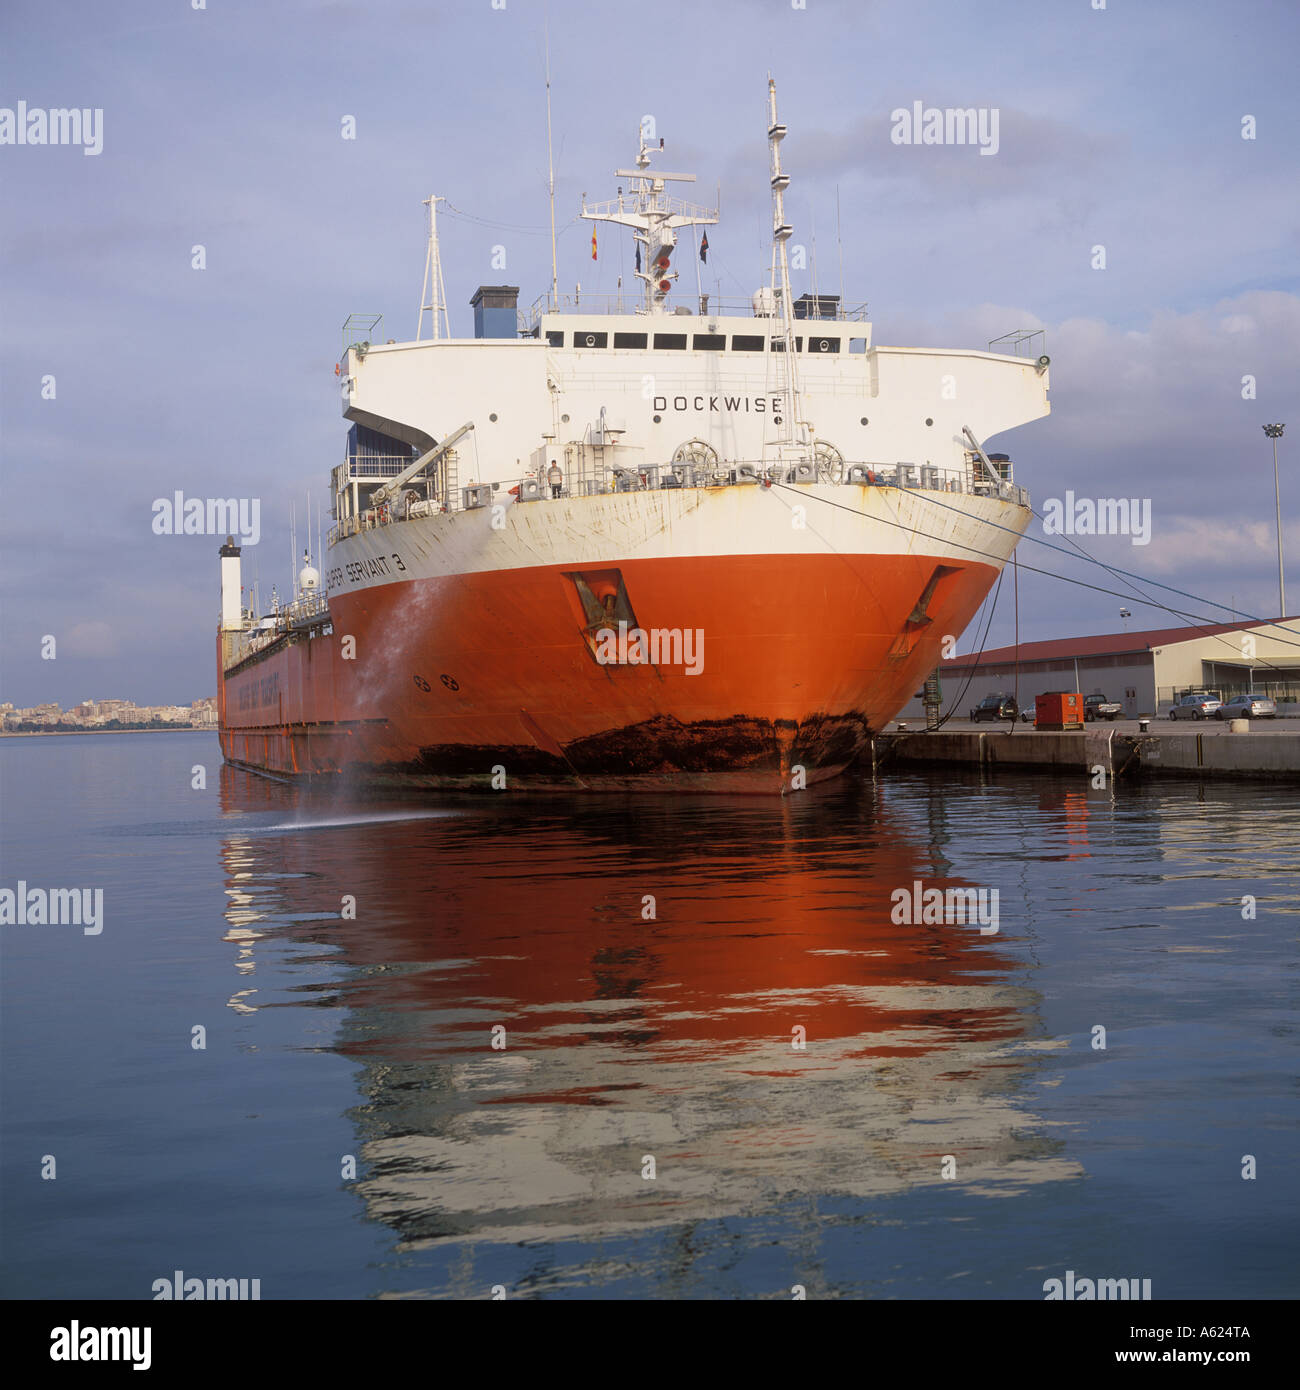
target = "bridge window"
x: 747, y: 342
x: 710, y: 342
x: 555, y: 337
x: 629, y: 340
x: 676, y: 341
x: 590, y: 340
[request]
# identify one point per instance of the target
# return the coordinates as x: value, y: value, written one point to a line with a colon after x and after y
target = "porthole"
x: 863, y: 421
x: 658, y: 418
x: 928, y: 421
x: 493, y: 418
x: 564, y: 419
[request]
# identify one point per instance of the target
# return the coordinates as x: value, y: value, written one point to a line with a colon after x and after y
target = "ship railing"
x: 309, y: 610
x: 649, y: 202
x: 700, y: 305
x: 374, y: 465
x: 370, y: 518
x: 599, y: 479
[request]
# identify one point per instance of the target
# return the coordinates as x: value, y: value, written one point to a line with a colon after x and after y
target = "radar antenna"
x: 654, y: 217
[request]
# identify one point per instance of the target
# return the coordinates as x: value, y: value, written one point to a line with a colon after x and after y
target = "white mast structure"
x: 550, y: 171
x: 792, y: 440
x: 433, y: 295
x: 654, y: 216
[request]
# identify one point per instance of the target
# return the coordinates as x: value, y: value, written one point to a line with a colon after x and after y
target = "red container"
x: 1058, y: 709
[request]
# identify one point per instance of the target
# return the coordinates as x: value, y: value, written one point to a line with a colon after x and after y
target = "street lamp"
x: 1274, y: 432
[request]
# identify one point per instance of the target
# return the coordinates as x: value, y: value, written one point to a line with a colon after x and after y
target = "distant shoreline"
x: 67, y: 733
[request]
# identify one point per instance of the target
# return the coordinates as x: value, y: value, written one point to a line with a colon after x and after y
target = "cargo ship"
x: 667, y: 542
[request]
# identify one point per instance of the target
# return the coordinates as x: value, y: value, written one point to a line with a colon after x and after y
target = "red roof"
x: 1110, y: 644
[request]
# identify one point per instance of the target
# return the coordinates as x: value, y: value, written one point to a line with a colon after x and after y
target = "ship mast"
x: 433, y: 296
x: 654, y: 216
x: 550, y: 167
x: 783, y: 367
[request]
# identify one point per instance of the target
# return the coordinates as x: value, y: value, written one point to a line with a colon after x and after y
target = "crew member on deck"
x: 555, y: 478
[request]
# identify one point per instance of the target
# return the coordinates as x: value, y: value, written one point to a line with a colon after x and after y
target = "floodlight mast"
x: 1274, y: 432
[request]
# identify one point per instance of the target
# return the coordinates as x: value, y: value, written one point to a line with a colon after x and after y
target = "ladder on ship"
x: 450, y: 479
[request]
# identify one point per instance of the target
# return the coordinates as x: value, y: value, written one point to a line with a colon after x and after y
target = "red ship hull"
x: 489, y: 679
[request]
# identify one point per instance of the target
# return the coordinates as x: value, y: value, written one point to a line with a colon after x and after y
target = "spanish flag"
x: 593, y: 243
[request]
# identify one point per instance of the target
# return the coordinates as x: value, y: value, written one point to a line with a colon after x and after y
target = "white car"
x: 1247, y: 707
x: 1197, y: 705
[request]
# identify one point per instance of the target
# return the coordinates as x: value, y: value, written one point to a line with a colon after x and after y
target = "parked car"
x: 1247, y: 707
x: 1198, y: 705
x: 998, y: 706
x: 1099, y: 707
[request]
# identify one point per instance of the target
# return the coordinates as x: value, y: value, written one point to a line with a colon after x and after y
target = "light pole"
x: 1274, y: 432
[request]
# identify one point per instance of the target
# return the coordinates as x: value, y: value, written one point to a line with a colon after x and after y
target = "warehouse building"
x: 1146, y: 672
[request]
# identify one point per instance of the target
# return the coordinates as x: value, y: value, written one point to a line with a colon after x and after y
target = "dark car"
x: 999, y: 706
x: 1099, y: 707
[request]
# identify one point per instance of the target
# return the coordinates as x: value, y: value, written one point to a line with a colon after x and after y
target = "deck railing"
x: 594, y: 479
x: 697, y: 306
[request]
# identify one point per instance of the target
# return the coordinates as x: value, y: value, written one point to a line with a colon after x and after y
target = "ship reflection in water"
x: 651, y: 961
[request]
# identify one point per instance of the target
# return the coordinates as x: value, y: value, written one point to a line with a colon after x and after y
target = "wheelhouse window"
x: 747, y: 342
x: 710, y: 342
x: 555, y: 337
x: 675, y: 341
x: 590, y: 340
x: 629, y: 340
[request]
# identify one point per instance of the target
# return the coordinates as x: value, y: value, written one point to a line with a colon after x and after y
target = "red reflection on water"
x: 766, y: 918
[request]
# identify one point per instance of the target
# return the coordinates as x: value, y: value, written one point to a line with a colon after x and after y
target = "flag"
x: 593, y: 243
x: 638, y: 257
x: 704, y: 248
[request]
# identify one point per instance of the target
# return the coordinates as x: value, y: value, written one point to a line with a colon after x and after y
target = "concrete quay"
x: 1208, y: 748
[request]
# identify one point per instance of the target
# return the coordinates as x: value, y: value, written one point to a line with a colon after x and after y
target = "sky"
x: 126, y: 373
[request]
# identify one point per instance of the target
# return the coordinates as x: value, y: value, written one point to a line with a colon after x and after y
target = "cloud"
x: 89, y: 639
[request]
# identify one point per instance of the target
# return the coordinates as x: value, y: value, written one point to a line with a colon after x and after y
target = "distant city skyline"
x: 173, y: 290
x: 93, y: 714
